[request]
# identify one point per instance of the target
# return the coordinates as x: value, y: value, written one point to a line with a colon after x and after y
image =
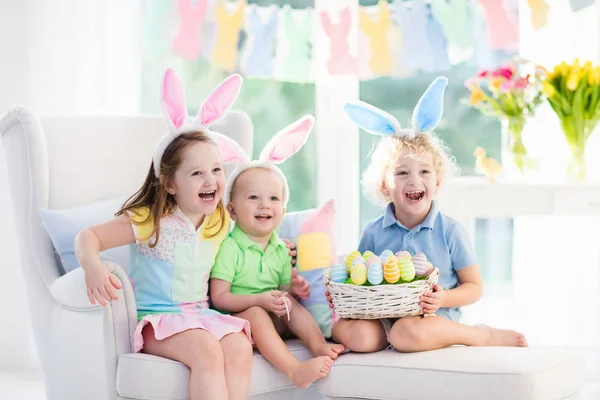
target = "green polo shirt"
x: 243, y: 263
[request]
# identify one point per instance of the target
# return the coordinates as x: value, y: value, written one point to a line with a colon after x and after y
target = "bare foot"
x: 309, y: 371
x: 503, y: 337
x: 330, y: 350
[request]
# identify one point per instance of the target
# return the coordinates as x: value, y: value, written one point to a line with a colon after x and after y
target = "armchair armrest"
x: 87, y: 339
x: 69, y: 292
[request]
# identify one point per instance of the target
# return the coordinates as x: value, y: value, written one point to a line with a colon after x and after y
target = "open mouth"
x: 208, y: 196
x: 263, y: 217
x: 415, y: 195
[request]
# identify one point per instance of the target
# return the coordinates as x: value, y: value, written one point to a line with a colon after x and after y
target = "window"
x: 271, y: 104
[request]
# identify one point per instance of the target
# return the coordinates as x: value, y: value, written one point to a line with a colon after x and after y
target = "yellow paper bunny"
x: 377, y: 31
x: 225, y: 50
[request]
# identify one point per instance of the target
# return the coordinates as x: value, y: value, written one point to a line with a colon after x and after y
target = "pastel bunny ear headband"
x: 426, y: 115
x: 215, y: 111
x: 282, y: 146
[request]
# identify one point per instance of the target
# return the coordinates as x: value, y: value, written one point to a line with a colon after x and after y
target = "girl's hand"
x: 432, y: 301
x: 101, y: 284
x: 299, y: 286
x: 273, y: 302
x: 293, y: 252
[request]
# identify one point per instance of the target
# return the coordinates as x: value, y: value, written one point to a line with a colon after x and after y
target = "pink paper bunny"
x: 187, y: 43
x: 282, y: 146
x: 340, y: 62
x: 215, y: 109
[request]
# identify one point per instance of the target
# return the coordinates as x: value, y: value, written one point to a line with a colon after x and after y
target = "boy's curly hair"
x: 386, y: 153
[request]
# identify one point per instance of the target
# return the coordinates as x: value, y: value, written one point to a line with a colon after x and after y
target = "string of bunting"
x: 395, y: 39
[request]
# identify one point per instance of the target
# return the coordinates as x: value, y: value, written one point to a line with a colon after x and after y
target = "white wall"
x: 15, y: 338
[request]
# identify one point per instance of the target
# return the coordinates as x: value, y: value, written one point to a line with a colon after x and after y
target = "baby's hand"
x: 293, y: 252
x: 432, y: 301
x: 101, y: 284
x: 273, y: 302
x: 299, y: 286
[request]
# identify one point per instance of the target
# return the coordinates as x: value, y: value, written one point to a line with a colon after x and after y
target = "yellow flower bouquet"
x: 510, y: 94
x: 573, y: 91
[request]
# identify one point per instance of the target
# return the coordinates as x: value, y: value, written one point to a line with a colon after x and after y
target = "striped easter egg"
x: 402, y: 254
x: 407, y: 269
x: 375, y: 273
x: 339, y: 273
x: 391, y: 271
x: 368, y: 254
x: 359, y: 274
x: 351, y: 258
x: 386, y: 254
x: 373, y: 259
x: 420, y: 263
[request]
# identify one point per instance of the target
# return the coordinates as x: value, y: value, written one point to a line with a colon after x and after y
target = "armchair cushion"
x: 63, y: 226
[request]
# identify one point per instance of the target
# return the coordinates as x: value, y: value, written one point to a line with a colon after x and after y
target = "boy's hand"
x: 299, y: 286
x: 293, y: 252
x: 432, y: 301
x: 273, y: 302
x: 101, y: 285
x: 328, y: 297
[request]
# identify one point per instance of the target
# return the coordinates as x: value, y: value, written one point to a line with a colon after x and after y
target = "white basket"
x: 380, y: 301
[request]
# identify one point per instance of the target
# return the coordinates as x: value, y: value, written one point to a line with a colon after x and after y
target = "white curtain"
x: 85, y: 56
x: 61, y: 57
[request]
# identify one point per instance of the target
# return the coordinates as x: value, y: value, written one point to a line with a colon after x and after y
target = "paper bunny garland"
x: 214, y: 111
x: 426, y: 115
x: 282, y: 146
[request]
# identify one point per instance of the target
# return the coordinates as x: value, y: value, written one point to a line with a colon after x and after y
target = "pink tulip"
x: 505, y: 72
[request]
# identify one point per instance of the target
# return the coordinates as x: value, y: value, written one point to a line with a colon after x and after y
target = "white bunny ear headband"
x: 426, y: 115
x: 282, y: 146
x: 215, y: 109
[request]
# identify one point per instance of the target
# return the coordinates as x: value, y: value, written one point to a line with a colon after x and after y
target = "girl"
x: 406, y: 171
x: 176, y: 223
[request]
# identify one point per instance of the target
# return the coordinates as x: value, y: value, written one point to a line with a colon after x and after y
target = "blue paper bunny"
x: 261, y: 42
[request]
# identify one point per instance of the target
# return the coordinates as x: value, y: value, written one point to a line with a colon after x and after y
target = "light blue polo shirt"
x: 443, y: 240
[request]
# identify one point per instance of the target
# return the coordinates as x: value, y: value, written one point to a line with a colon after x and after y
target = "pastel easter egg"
x: 358, y: 260
x: 420, y: 263
x: 402, y: 254
x: 359, y: 274
x: 375, y: 273
x: 373, y: 259
x: 339, y: 273
x: 391, y: 271
x: 368, y: 254
x: 386, y: 254
x: 407, y: 269
x: 429, y: 269
x: 351, y: 258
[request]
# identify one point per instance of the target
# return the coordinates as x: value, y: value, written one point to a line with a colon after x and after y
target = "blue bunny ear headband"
x: 426, y: 115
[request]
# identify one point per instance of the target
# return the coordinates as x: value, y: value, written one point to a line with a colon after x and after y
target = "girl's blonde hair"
x: 154, y: 196
x: 386, y: 153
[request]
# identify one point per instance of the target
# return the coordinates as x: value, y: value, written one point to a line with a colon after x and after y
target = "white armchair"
x: 85, y: 350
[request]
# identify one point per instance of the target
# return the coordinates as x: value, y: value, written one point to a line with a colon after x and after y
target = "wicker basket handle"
x: 326, y: 277
x: 433, y: 277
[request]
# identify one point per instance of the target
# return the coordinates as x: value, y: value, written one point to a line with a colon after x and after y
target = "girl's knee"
x: 238, y: 345
x: 208, y: 358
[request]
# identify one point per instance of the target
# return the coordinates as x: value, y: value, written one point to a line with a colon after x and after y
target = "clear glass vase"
x: 576, y: 133
x: 515, y: 158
